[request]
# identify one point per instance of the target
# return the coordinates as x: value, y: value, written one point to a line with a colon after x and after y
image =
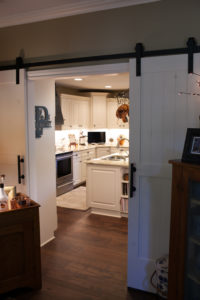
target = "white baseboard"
x: 46, y: 242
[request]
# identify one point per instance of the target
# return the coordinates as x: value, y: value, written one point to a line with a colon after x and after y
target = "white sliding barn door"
x: 159, y: 119
x: 13, y: 128
x: 41, y: 92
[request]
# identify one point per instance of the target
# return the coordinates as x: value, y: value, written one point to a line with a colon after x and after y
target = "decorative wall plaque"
x: 41, y: 120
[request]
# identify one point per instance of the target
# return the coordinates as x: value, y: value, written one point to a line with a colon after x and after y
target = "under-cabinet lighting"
x: 108, y: 86
x: 78, y: 79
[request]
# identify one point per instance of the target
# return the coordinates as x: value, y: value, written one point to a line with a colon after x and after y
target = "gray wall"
x: 159, y: 25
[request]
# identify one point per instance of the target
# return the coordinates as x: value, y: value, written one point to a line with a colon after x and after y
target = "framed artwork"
x: 191, y: 152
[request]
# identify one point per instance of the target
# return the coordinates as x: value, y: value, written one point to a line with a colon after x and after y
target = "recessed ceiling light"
x: 78, y: 79
x: 108, y: 86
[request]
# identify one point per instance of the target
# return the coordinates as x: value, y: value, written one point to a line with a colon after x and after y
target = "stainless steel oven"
x: 64, y: 173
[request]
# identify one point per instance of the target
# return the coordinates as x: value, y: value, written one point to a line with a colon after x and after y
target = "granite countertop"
x: 107, y: 162
x: 87, y: 147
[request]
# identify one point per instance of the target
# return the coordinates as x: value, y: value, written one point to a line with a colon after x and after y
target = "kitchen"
x: 92, y: 132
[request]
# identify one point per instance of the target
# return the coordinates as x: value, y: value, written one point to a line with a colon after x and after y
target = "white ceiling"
x: 117, y: 81
x: 27, y: 11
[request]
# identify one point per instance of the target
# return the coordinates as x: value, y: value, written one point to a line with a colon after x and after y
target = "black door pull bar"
x: 132, y: 187
x: 20, y: 176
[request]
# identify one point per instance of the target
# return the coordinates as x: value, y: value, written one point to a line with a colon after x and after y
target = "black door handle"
x: 132, y: 187
x: 20, y: 176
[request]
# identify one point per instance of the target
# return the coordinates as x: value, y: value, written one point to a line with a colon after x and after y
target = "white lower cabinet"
x: 83, y: 165
x: 79, y: 164
x: 76, y: 168
x: 103, y: 189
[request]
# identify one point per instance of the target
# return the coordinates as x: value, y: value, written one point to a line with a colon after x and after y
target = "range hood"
x: 59, y: 116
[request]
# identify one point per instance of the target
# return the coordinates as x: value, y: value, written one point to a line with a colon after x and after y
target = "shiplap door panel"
x: 159, y: 118
x: 12, y: 127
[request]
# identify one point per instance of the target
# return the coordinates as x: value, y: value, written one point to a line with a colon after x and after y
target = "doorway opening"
x: 92, y: 129
x: 115, y: 177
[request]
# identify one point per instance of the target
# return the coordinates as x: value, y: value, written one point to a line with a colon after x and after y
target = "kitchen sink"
x: 116, y: 158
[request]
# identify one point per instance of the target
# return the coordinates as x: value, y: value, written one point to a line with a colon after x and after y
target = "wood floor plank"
x: 86, y: 261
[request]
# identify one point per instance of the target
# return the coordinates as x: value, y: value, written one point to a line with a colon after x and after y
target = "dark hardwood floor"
x: 86, y: 261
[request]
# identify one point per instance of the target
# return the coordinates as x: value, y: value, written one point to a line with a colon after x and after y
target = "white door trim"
x: 82, y: 70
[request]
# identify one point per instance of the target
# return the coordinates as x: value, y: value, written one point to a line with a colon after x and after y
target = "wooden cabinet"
x: 184, y: 253
x: 98, y: 111
x: 112, y: 120
x: 20, y: 248
x: 76, y: 111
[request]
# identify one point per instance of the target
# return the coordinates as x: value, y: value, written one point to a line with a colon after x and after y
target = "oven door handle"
x: 63, y: 157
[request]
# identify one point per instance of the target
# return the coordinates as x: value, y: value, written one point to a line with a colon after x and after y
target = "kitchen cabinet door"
x: 111, y: 114
x: 84, y: 115
x: 103, y: 184
x: 66, y: 111
x: 76, y: 168
x: 91, y: 154
x: 99, y: 111
x: 76, y: 111
x: 84, y: 157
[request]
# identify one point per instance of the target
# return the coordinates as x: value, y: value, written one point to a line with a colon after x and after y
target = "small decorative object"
x: 125, y: 176
x: 41, y: 120
x: 121, y: 140
x: 3, y: 195
x: 82, y: 138
x: 72, y: 141
x: 191, y: 152
x: 159, y: 278
x: 111, y: 140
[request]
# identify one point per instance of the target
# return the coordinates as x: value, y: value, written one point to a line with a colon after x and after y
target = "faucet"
x: 118, y: 145
x: 122, y: 139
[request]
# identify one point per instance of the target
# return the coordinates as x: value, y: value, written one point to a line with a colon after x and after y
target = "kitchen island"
x: 107, y: 185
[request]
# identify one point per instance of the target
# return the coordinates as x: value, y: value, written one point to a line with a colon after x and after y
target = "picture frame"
x: 191, y: 151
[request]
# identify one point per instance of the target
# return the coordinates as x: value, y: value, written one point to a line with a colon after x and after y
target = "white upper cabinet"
x: 98, y: 111
x: 84, y: 114
x: 76, y: 111
x: 112, y: 120
x: 66, y: 111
